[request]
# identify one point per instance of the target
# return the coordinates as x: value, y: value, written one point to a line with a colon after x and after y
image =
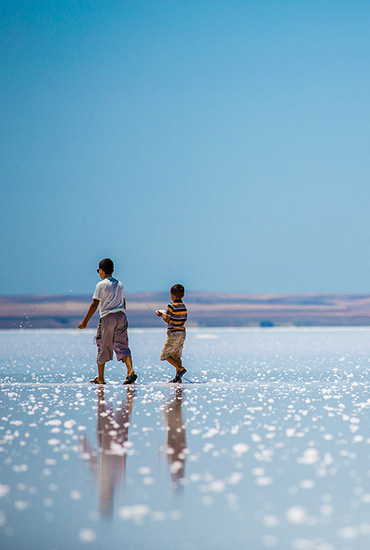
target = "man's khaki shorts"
x: 173, y: 344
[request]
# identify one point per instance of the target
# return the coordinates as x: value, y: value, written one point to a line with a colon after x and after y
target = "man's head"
x: 178, y: 291
x: 107, y: 266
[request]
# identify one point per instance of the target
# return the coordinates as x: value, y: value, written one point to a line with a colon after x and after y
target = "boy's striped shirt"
x: 178, y: 315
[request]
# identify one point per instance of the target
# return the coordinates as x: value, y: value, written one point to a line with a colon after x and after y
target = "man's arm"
x: 90, y: 312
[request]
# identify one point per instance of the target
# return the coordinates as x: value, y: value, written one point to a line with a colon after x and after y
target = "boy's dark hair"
x: 107, y: 266
x: 178, y: 291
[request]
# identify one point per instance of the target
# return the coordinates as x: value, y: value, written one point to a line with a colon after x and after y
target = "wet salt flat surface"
x: 267, y: 446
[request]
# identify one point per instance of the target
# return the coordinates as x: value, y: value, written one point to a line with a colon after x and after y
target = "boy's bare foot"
x: 97, y: 381
x: 179, y: 374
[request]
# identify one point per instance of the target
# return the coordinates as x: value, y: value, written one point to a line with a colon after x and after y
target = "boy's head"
x: 107, y: 266
x: 178, y: 291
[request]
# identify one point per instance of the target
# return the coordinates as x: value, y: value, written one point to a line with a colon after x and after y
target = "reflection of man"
x: 112, y: 432
x: 176, y: 438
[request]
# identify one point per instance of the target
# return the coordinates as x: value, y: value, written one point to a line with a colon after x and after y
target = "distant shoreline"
x: 205, y: 310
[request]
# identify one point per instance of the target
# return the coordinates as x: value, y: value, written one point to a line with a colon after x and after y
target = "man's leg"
x: 121, y: 346
x: 128, y: 361
x: 100, y: 378
x: 101, y: 372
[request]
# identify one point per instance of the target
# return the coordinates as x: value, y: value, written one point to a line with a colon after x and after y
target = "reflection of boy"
x: 176, y: 438
x: 112, y: 329
x: 175, y: 316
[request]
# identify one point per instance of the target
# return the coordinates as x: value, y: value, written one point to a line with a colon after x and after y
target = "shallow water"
x: 265, y: 445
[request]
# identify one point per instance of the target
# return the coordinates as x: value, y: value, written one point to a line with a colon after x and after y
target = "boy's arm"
x: 90, y: 312
x: 161, y: 313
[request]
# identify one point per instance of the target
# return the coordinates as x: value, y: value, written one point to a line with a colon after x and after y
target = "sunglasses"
x: 98, y: 270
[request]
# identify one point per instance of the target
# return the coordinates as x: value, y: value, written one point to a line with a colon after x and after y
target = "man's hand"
x: 93, y: 307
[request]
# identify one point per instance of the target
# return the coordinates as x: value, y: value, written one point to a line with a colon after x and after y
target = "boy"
x: 112, y: 329
x: 175, y: 316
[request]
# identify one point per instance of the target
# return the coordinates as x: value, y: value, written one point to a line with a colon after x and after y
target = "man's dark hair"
x: 178, y: 291
x: 107, y: 266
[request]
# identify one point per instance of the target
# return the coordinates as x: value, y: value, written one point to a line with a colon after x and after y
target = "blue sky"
x: 222, y: 144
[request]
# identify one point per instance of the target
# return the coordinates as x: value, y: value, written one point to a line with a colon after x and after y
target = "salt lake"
x: 266, y: 444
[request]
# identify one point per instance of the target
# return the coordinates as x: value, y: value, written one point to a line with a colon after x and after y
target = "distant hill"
x: 208, y: 309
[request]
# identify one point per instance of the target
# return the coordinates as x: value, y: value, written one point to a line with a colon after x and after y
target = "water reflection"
x: 176, y: 450
x: 112, y: 434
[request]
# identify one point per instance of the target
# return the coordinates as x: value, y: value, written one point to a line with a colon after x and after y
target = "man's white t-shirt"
x: 110, y: 294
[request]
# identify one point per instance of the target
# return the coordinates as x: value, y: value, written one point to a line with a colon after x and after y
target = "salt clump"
x: 296, y: 514
x: 240, y: 448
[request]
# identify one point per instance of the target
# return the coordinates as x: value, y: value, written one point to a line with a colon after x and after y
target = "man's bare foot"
x: 97, y: 381
x: 130, y: 378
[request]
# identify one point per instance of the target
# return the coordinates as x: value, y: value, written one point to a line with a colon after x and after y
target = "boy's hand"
x: 82, y: 325
x: 162, y: 313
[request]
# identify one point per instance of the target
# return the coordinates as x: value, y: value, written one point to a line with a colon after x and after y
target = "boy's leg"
x: 180, y: 370
x: 175, y: 362
x: 172, y: 351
